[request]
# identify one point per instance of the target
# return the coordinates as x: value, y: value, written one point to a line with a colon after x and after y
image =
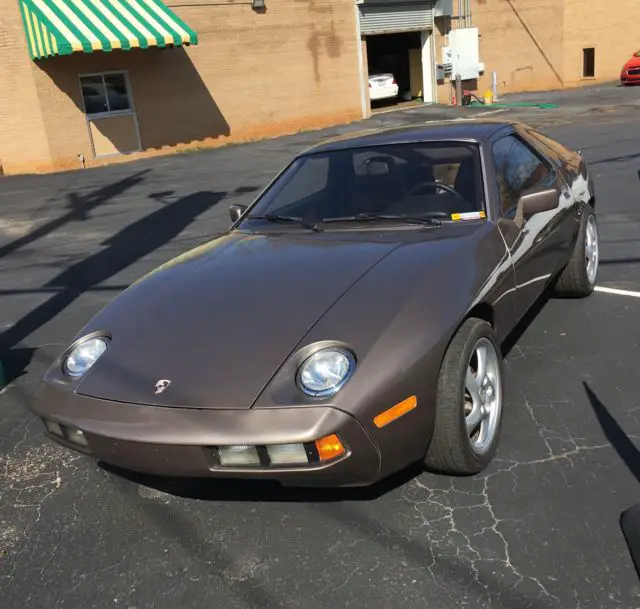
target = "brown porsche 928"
x: 347, y: 325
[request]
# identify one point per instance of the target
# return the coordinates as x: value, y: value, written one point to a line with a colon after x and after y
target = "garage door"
x: 386, y: 16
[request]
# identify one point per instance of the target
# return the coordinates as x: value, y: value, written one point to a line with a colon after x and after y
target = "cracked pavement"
x: 537, y: 529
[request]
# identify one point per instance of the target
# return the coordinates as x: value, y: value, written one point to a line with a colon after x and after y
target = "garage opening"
x: 394, y: 69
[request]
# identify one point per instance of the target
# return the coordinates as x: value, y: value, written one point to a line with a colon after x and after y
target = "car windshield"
x: 412, y: 180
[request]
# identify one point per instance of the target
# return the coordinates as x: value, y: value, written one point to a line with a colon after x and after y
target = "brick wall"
x: 252, y: 75
x: 23, y: 143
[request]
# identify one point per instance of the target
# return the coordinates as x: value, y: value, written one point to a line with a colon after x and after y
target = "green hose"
x: 518, y: 105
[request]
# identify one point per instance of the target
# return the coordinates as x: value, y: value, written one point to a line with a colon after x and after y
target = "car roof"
x: 472, y: 129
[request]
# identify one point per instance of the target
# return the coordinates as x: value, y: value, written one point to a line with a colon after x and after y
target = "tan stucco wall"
x: 23, y: 142
x: 522, y: 40
x: 252, y: 75
x: 537, y: 44
x: 612, y: 29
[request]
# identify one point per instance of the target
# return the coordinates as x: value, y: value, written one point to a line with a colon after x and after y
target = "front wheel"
x: 469, y: 402
x: 578, y: 278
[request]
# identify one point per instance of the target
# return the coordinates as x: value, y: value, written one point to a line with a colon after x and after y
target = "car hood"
x: 220, y: 320
x: 634, y: 62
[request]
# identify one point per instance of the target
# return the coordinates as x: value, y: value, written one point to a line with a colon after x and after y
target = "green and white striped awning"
x: 62, y: 27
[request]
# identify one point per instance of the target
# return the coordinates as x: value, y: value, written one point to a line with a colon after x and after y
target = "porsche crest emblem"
x: 162, y: 384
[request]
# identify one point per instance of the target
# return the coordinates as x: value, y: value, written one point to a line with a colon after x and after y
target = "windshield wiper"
x: 392, y: 217
x: 279, y: 218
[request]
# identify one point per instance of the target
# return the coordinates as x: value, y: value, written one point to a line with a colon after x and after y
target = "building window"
x: 588, y: 63
x: 107, y: 93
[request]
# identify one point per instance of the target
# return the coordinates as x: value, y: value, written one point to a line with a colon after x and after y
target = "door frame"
x: 130, y: 112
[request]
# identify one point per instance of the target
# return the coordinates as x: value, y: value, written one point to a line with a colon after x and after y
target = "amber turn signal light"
x: 395, y: 412
x: 329, y: 447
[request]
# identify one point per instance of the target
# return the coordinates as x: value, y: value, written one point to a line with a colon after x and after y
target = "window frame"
x: 479, y: 153
x: 127, y: 80
x: 541, y: 157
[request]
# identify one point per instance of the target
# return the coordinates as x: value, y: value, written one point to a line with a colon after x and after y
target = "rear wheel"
x: 578, y: 278
x: 469, y: 402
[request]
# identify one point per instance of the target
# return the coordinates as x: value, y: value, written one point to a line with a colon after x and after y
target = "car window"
x: 408, y: 179
x: 518, y: 169
x: 308, y: 179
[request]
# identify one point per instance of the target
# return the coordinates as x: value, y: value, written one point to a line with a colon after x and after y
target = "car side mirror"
x: 236, y: 211
x: 536, y: 201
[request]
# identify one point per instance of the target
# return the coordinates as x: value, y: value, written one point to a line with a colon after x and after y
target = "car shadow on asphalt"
x: 630, y: 518
x: 528, y: 318
x: 257, y: 490
x: 616, y: 436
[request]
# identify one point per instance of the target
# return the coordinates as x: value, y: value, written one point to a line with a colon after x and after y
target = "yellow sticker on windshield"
x: 470, y: 215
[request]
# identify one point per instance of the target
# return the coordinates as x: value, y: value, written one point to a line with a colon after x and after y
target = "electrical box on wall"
x: 443, y: 8
x: 465, y: 53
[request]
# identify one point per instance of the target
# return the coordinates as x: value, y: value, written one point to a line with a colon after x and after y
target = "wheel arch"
x: 481, y: 310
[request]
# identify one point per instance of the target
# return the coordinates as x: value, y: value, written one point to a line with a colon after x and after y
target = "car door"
x: 539, y: 245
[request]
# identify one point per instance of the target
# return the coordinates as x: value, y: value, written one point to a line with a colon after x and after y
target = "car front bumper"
x: 384, y: 92
x: 180, y: 442
x: 629, y: 79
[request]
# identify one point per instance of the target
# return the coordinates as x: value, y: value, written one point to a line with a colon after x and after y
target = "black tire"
x: 573, y: 281
x: 450, y: 450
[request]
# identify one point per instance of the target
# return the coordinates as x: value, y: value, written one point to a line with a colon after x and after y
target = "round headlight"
x: 84, y: 355
x: 325, y: 372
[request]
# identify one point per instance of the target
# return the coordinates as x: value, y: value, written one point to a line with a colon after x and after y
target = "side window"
x: 311, y: 178
x: 518, y: 169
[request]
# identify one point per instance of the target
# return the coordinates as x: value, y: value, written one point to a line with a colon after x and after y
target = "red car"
x: 631, y: 70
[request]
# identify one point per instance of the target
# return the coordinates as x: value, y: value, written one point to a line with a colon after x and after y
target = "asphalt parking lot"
x: 539, y: 528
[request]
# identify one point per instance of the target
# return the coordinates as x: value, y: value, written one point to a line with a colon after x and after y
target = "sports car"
x: 350, y: 321
x: 630, y: 73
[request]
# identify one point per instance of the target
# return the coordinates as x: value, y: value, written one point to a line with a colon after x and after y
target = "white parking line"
x: 633, y: 294
x: 494, y: 111
x: 480, y: 114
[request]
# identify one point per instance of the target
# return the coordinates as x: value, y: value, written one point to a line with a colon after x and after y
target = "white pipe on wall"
x: 364, y: 105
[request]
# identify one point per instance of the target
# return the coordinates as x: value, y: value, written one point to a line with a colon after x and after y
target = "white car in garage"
x: 382, y: 86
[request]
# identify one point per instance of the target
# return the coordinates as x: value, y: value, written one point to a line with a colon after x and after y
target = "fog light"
x: 238, y: 455
x: 329, y: 447
x: 287, y: 454
x: 53, y: 428
x: 76, y: 437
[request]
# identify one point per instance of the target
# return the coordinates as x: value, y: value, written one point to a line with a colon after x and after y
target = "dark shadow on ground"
x: 523, y: 325
x: 616, y: 159
x: 79, y: 207
x: 123, y: 249
x: 620, y: 261
x: 230, y: 489
x: 625, y: 448
x: 629, y: 519
x: 16, y: 362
